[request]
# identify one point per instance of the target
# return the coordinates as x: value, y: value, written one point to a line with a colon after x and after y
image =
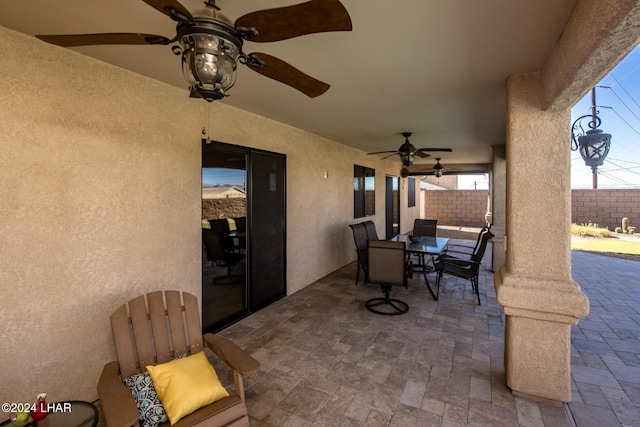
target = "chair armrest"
x: 231, y: 354
x: 453, y: 245
x: 459, y: 262
x: 117, y: 403
x: 448, y: 252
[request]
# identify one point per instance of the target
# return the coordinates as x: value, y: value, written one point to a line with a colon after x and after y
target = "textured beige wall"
x: 100, y: 191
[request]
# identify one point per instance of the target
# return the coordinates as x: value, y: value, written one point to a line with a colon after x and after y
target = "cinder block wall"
x: 465, y: 208
x: 605, y: 207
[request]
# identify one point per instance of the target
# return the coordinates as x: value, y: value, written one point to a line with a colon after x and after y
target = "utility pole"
x: 594, y: 171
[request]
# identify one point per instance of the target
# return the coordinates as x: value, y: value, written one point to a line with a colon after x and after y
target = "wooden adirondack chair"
x: 155, y: 328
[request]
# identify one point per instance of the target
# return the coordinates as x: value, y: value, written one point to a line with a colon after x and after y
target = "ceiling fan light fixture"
x: 210, y: 49
x: 437, y: 168
x: 407, y: 158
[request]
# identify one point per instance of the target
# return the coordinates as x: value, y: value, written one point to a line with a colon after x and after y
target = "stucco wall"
x: 101, y: 199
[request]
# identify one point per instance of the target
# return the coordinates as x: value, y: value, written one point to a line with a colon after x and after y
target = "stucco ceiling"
x: 435, y: 68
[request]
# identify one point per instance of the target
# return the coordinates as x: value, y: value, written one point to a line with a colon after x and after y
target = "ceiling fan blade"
x: 422, y: 154
x: 448, y: 150
x: 385, y: 152
x: 386, y: 157
x: 172, y: 8
x: 281, y: 23
x: 277, y: 69
x: 69, y: 40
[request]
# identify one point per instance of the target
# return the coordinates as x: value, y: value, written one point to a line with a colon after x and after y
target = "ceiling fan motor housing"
x: 210, y: 49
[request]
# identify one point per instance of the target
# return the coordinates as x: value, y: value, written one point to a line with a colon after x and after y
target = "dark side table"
x: 71, y: 413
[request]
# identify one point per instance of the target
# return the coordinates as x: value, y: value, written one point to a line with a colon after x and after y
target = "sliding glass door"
x: 224, y: 213
x: 243, y: 232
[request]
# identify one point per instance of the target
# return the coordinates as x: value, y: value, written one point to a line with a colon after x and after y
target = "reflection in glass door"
x: 392, y: 206
x: 224, y: 235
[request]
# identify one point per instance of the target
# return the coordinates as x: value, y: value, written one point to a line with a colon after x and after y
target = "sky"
x: 211, y: 176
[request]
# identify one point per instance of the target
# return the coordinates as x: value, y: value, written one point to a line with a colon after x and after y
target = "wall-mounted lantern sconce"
x: 593, y: 144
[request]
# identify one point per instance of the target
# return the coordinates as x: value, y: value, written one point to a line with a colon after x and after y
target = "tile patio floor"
x: 327, y: 361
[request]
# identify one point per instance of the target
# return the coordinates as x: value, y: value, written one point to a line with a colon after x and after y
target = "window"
x: 364, y: 191
x: 411, y: 188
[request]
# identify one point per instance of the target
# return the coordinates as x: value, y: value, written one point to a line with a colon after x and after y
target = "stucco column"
x: 534, y: 286
x: 498, y: 206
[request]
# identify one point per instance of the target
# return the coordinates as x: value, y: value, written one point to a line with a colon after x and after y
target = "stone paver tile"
x: 585, y: 374
x: 592, y: 394
x: 433, y: 406
x: 413, y: 393
x: 454, y: 416
x: 632, y: 390
x: 485, y: 414
x: 528, y: 412
x: 593, y: 416
x: 304, y: 401
x: 279, y: 417
x: 627, y: 412
x: 590, y: 346
x: 480, y: 389
x: 406, y: 417
x: 376, y: 418
x: 625, y: 373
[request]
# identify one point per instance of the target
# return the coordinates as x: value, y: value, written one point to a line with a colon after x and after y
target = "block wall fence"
x: 605, y: 207
x: 467, y: 208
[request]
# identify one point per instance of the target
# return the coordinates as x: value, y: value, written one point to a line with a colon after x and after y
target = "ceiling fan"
x: 407, y: 151
x: 437, y: 170
x: 211, y: 44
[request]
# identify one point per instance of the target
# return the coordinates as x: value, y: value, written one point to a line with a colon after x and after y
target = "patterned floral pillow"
x: 152, y: 412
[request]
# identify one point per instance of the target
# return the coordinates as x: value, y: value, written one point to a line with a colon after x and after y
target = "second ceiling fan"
x: 407, y: 151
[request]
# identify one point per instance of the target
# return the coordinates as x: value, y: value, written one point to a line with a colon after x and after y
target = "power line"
x: 621, y: 100
x: 619, y: 180
x: 627, y: 75
x: 624, y: 120
x: 622, y: 168
x: 622, y: 160
x: 625, y: 90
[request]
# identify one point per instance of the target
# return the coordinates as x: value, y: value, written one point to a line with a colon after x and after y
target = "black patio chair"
x: 467, y: 249
x: 388, y: 267
x: 221, y: 255
x: 466, y: 267
x: 425, y: 228
x: 371, y: 230
x: 360, y: 238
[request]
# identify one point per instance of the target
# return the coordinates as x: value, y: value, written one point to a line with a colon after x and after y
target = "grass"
x: 616, y: 246
x: 604, y: 242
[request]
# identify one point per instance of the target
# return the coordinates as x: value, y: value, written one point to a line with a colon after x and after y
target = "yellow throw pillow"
x: 185, y: 385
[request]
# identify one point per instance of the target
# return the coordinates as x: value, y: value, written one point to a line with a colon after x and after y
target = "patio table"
x: 426, y: 246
